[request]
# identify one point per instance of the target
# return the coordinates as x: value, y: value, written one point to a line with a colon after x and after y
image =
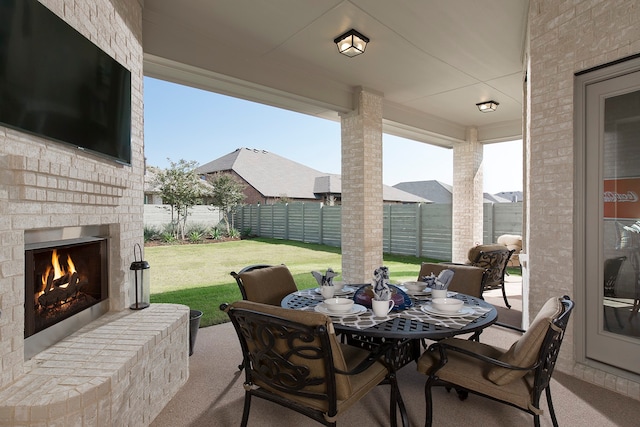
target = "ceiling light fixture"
x: 351, y: 43
x: 488, y: 106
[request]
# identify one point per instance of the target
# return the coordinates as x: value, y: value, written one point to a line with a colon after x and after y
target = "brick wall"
x: 566, y: 37
x: 468, y: 196
x: 362, y: 225
x: 44, y: 184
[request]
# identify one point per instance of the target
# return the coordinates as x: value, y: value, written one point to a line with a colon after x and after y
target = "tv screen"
x: 55, y: 83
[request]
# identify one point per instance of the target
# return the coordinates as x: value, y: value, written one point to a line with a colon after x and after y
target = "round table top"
x: 411, y: 323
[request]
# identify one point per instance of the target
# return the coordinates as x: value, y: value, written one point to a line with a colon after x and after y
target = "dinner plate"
x: 464, y: 311
x: 342, y: 292
x: 356, y: 309
x: 424, y: 293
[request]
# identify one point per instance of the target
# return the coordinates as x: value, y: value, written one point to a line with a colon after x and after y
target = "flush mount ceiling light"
x: 488, y: 106
x: 351, y: 43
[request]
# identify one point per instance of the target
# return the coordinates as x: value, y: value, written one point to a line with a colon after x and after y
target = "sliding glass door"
x: 612, y: 156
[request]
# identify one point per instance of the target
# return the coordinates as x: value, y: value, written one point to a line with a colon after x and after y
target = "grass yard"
x: 198, y: 275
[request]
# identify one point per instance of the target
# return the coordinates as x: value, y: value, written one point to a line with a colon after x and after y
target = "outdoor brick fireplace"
x: 66, y: 283
x: 118, y: 367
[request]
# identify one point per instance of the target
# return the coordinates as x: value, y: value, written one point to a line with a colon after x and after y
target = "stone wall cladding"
x: 46, y: 184
x: 467, y: 196
x: 119, y: 371
x: 566, y: 37
x: 362, y: 189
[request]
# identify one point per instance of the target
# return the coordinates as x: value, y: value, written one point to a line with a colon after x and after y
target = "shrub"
x: 233, y: 232
x: 215, y: 233
x: 168, y: 237
x: 246, y: 232
x: 151, y: 233
x: 195, y: 236
x: 197, y: 228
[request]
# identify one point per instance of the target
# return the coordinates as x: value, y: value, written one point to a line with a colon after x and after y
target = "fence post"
x: 418, y: 225
x: 259, y: 220
x: 286, y: 222
x: 321, y: 229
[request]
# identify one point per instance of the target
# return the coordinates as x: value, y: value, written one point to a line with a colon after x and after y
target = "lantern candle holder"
x: 139, y: 281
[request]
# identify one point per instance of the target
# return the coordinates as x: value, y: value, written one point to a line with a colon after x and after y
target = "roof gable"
x: 275, y: 176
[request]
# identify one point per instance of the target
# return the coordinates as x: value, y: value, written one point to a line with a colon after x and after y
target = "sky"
x: 181, y: 122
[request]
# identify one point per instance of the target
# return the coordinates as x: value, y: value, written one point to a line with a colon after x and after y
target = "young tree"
x: 227, y: 193
x: 181, y: 188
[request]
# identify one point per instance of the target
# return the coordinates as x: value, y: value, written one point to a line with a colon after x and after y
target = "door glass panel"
x: 621, y: 208
x: 612, y: 221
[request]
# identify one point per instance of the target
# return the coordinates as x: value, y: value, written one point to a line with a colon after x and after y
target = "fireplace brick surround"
x: 122, y: 368
x: 118, y: 371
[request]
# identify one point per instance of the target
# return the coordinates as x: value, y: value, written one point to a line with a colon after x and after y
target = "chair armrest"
x: 372, y: 358
x: 443, y: 348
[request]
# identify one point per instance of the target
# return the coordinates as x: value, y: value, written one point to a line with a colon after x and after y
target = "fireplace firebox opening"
x: 66, y: 285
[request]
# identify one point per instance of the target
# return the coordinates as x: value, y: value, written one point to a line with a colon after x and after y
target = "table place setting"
x: 451, y: 310
x: 454, y: 320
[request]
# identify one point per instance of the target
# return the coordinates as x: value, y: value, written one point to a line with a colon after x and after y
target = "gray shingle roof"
x: 435, y: 191
x: 439, y: 192
x: 276, y: 176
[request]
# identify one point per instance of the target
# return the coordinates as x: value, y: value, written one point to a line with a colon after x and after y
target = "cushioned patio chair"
x: 493, y: 258
x: 467, y: 279
x: 265, y: 283
x: 516, y: 377
x: 293, y: 358
x: 512, y: 241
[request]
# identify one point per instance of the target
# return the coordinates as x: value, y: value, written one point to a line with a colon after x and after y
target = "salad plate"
x: 464, y: 311
x: 356, y: 309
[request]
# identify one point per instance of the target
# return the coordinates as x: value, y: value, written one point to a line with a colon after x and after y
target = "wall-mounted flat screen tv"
x: 57, y: 84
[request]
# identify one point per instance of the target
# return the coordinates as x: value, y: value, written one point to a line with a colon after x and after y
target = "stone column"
x: 467, y: 196
x: 362, y: 188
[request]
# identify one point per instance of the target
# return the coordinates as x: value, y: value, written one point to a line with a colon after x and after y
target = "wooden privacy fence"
x: 422, y: 230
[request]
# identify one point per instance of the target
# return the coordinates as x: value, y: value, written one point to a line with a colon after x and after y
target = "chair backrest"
x: 291, y: 353
x: 467, y: 279
x: 493, y: 258
x: 264, y: 283
x: 539, y: 345
x: 611, y: 270
x: 512, y: 241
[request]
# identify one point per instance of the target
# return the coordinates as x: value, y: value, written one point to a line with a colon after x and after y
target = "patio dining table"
x: 407, y: 328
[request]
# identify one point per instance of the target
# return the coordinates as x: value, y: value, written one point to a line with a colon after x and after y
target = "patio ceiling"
x: 432, y: 60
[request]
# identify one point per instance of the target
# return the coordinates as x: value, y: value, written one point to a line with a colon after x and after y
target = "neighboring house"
x: 151, y: 189
x: 512, y: 196
x: 439, y: 192
x: 270, y: 179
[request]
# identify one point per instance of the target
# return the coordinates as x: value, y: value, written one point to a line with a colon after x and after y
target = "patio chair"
x: 265, y: 283
x: 612, y: 268
x: 512, y: 241
x: 515, y: 377
x: 494, y: 258
x: 293, y: 358
x: 467, y: 279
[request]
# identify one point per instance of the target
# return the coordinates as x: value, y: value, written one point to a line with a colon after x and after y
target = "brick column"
x: 467, y: 196
x: 362, y: 188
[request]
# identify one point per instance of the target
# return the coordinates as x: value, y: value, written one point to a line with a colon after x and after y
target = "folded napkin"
x: 443, y: 279
x: 325, y: 279
x: 380, y: 284
x: 430, y: 280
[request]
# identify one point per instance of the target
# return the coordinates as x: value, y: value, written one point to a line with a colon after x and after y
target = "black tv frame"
x: 57, y: 84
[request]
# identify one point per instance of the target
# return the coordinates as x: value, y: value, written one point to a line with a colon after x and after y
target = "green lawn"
x: 198, y: 275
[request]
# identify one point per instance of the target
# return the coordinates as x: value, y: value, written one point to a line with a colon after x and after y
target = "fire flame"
x: 58, y: 270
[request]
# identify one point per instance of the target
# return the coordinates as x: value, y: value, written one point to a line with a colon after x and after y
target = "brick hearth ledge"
x: 120, y: 370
